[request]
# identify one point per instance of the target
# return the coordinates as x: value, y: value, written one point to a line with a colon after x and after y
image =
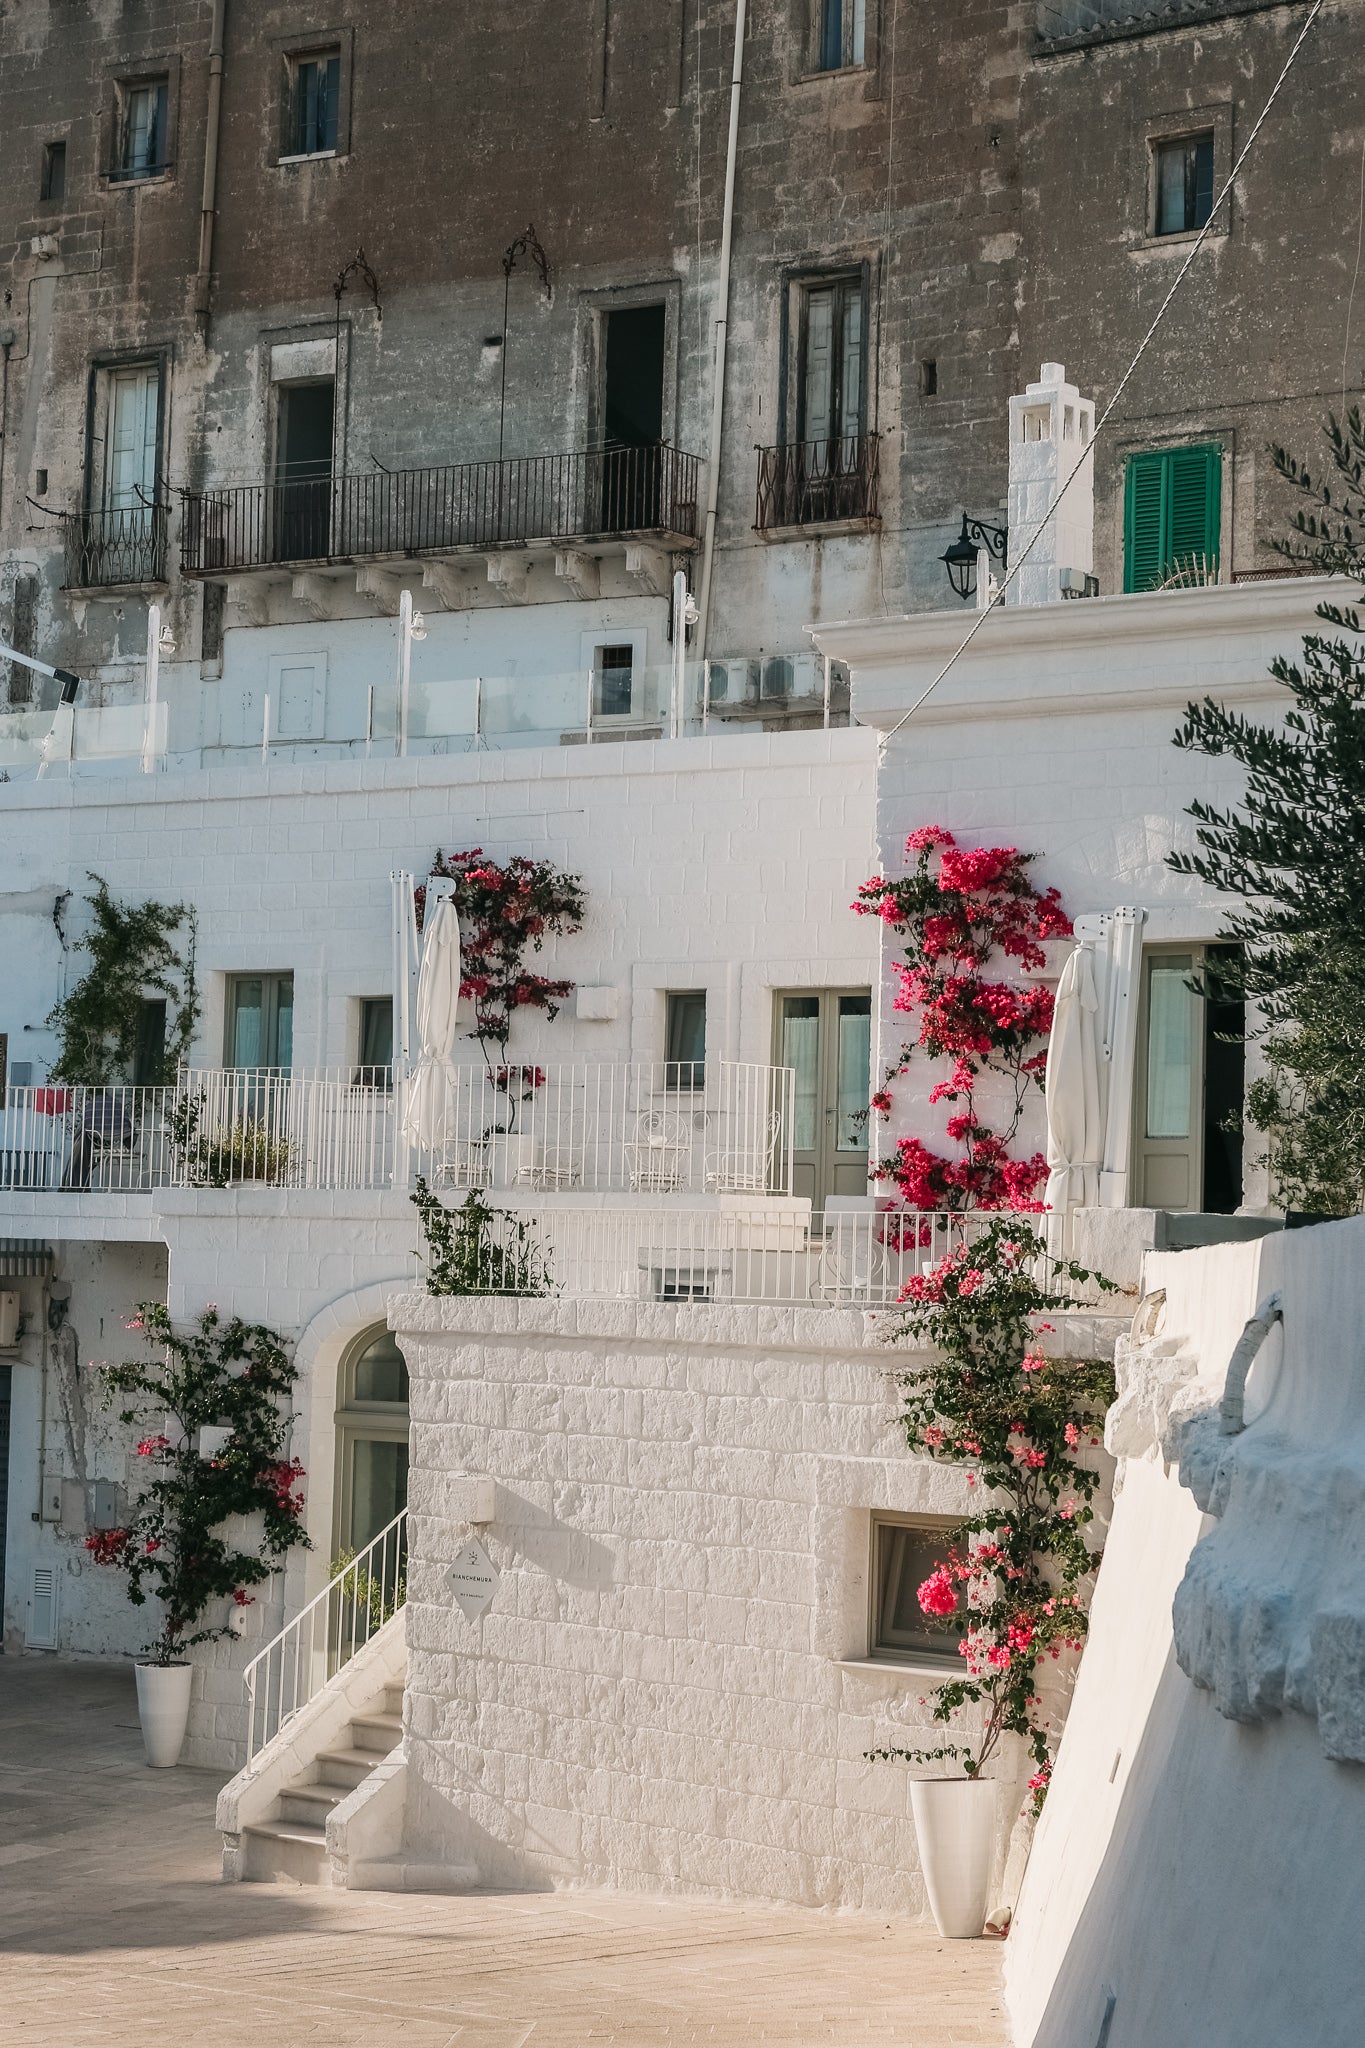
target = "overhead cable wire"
x: 999, y: 596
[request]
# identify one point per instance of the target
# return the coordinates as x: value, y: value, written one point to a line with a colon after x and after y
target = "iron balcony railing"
x: 817, y: 483
x: 437, y: 511
x: 106, y: 548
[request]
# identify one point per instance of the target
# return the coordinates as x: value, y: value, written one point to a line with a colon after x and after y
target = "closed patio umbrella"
x: 428, y: 1117
x: 1075, y: 1090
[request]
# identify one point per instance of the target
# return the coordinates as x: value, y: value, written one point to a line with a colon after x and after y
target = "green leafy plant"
x: 361, y: 1587
x: 134, y: 958
x: 247, y: 1150
x: 1016, y: 1572
x: 217, y: 1372
x: 476, y: 1249
x: 1293, y: 854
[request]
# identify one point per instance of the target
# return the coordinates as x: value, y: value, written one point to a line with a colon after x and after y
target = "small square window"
x: 314, y: 104
x: 142, y: 115
x: 1183, y: 184
x: 839, y: 34
x: 905, y: 1552
x: 52, y: 180
x: 685, y: 1044
x: 613, y: 682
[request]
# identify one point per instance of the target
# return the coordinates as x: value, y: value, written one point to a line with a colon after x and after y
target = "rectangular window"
x: 314, y: 102
x: 829, y: 368
x: 1182, y: 179
x: 376, y: 1043
x: 685, y: 1045
x: 905, y: 1552
x: 1172, y: 517
x: 52, y: 182
x: 149, y: 1060
x: 839, y: 34
x: 613, y: 682
x: 141, y: 143
x: 260, y: 1021
x: 132, y: 436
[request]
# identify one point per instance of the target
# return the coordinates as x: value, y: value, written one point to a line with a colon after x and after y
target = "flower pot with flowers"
x: 1018, y: 1571
x: 227, y: 1383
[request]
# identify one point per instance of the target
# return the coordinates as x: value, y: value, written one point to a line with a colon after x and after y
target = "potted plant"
x: 1016, y: 1573
x: 217, y: 1390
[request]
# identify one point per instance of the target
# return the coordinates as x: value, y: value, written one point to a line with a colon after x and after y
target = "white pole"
x: 588, y: 726
x: 369, y: 721
x: 675, y: 709
x: 722, y: 330
x: 827, y: 690
x: 478, y: 713
x: 705, y: 697
x: 153, y: 678
x: 404, y: 666
x: 265, y: 730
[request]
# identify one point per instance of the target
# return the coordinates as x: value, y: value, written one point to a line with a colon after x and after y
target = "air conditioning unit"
x: 41, y: 1633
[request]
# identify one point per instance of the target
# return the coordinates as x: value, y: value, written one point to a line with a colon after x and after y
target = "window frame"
x: 1151, y: 133
x: 269, y: 1009
x: 304, y: 46
x: 99, y: 385
x: 1221, y: 521
x: 375, y: 1075
x: 165, y: 71
x: 797, y: 282
x: 46, y: 196
x: 683, y: 1076
x: 1163, y: 147
x: 355, y: 1421
x: 804, y: 67
x: 881, y: 1519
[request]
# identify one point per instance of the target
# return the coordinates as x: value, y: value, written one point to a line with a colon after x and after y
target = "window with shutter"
x: 1172, y: 516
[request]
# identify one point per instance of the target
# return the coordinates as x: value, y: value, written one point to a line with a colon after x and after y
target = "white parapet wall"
x: 669, y: 1688
x: 1195, y: 1879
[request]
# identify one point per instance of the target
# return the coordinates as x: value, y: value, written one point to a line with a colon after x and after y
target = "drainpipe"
x: 722, y: 325
x: 203, y: 283
x: 7, y: 340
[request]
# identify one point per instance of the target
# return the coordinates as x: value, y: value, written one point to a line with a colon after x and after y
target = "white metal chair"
x: 746, y: 1168
x: 852, y: 1266
x: 657, y: 1153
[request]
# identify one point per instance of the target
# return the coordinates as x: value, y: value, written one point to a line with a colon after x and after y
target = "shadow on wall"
x: 1272, y: 1956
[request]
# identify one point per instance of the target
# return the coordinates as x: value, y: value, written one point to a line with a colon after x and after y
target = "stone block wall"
x: 669, y: 1688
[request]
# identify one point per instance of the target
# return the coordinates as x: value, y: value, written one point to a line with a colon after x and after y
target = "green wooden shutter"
x: 1142, y: 523
x: 1172, y: 509
x: 1193, y: 494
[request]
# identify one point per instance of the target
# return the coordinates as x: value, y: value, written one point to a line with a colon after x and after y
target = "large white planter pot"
x: 512, y: 1159
x: 955, y: 1822
x: 163, y: 1707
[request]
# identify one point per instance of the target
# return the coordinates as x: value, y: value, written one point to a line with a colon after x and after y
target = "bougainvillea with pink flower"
x: 1012, y: 1586
x: 218, y: 1372
x: 958, y: 910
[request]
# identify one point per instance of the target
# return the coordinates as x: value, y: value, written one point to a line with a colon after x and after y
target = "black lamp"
x: 959, y: 559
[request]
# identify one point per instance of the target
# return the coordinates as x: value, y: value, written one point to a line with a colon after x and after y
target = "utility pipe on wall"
x: 203, y: 283
x: 722, y: 328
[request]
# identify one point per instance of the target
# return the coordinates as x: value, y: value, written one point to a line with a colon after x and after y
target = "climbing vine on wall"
x: 1014, y: 1577
x: 957, y: 911
x: 138, y: 952
x: 224, y: 1373
x: 507, y: 910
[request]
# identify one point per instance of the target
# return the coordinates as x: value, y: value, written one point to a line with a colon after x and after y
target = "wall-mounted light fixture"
x: 960, y: 558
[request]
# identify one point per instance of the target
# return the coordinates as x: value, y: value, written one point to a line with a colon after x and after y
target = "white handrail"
x: 308, y: 1651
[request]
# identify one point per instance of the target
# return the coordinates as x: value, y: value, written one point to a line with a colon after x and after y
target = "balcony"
x: 818, y: 486
x: 721, y: 1128
x: 471, y: 507
x: 113, y: 550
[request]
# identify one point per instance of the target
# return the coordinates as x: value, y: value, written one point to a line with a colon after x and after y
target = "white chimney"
x: 1049, y: 427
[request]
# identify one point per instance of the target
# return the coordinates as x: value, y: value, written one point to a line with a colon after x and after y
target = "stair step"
x: 311, y: 1802
x: 308, y: 1831
x: 376, y: 1732
x: 352, y: 1765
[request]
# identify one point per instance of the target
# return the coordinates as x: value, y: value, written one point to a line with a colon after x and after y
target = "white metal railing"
x: 296, y: 1664
x: 713, y: 1127
x: 858, y: 1258
x: 79, y: 1138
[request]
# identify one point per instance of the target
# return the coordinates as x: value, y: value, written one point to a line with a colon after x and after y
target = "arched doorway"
x: 372, y: 1439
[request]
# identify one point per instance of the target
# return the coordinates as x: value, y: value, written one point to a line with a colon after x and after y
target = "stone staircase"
x: 290, y: 1843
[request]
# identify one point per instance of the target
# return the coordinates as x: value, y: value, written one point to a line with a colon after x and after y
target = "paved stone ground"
x: 117, y: 1933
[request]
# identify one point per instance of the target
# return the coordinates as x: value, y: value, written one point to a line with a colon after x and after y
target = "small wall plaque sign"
x: 473, y: 1579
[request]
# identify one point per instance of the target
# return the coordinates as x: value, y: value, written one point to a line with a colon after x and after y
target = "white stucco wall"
x: 1199, y: 1873
x: 666, y: 1691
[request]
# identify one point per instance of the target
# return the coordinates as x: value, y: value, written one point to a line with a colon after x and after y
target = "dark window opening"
x: 904, y: 1555
x: 830, y: 356
x: 142, y: 129
x: 149, y: 1059
x: 376, y: 1043
x: 1184, y: 184
x: 303, y: 471
x: 613, y: 682
x: 685, y: 1043
x: 1224, y: 1080
x: 52, y: 182
x: 840, y: 34
x: 928, y: 378
x: 211, y: 623
x: 314, y: 103
x: 632, y: 418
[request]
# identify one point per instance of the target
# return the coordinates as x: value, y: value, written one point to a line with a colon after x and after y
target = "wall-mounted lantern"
x: 960, y: 558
